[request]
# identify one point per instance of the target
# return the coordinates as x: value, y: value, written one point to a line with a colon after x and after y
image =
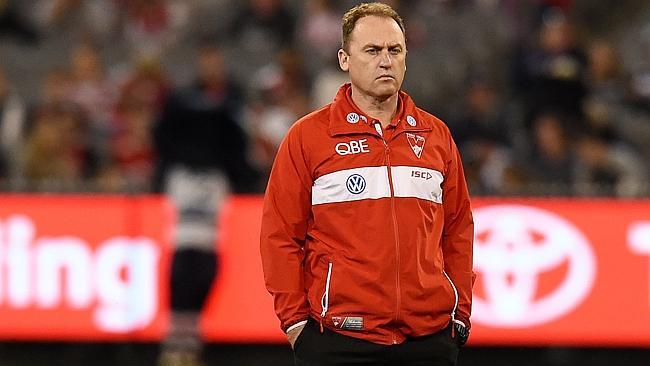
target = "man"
x: 202, y: 157
x: 367, y: 233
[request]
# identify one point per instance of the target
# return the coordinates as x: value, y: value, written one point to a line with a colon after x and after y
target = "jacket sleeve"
x: 285, y: 217
x: 458, y: 234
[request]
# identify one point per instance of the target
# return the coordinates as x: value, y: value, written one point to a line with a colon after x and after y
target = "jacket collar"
x: 347, y: 118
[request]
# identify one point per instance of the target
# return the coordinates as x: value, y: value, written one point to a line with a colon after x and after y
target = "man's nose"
x: 385, y: 59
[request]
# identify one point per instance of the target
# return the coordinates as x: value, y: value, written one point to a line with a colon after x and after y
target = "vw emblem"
x: 352, y: 117
x: 411, y: 121
x: 356, y: 184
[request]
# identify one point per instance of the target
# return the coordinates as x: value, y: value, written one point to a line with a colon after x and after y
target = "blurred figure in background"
x: 318, y: 33
x: 552, y: 75
x: 96, y: 18
x: 281, y: 90
x: 12, y: 23
x: 603, y: 105
x: 58, y: 155
x: 131, y: 156
x: 92, y: 91
x: 608, y: 168
x: 552, y: 163
x: 59, y: 151
x: 487, y: 135
x: 12, y: 129
x: 259, y: 30
x: 152, y: 27
x: 641, y: 77
x: 56, y: 88
x: 202, y: 156
x: 634, y: 120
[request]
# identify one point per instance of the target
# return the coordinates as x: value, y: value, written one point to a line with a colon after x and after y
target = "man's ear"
x: 343, y: 60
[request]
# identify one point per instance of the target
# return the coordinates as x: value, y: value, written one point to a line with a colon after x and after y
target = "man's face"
x: 376, y: 57
x: 210, y: 64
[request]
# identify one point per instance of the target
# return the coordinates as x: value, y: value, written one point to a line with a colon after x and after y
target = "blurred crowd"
x: 543, y: 97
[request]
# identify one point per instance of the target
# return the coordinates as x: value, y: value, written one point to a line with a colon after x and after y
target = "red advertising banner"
x: 562, y: 272
x: 81, y: 268
x: 550, y: 271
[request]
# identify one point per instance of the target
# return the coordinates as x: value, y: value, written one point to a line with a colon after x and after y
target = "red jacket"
x: 369, y: 233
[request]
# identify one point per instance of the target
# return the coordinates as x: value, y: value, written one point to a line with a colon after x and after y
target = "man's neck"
x: 380, y: 109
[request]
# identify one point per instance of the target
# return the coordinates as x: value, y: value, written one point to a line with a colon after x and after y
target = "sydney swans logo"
x: 515, y: 248
x: 416, y: 142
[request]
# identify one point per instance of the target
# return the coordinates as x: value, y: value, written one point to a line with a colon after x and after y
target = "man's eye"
x: 395, y: 51
x: 371, y: 51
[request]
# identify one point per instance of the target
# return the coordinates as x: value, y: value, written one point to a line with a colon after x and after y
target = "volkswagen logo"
x: 352, y: 118
x: 355, y: 183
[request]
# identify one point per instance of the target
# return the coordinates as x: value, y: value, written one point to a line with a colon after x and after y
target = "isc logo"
x: 352, y: 147
x: 421, y: 174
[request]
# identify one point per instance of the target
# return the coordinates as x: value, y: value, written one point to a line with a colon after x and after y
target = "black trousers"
x: 313, y: 348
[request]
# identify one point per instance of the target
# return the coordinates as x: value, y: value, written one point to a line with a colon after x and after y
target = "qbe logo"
x: 534, y: 266
x: 356, y: 184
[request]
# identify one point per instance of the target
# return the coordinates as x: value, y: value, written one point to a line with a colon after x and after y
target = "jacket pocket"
x: 453, y: 287
x: 325, y: 299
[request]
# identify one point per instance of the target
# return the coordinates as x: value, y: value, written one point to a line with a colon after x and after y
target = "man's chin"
x: 385, y: 87
x: 385, y: 92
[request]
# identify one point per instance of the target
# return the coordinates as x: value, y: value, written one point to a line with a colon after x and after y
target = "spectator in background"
x: 612, y: 106
x: 637, y: 122
x: 282, y: 91
x: 552, y: 163
x: 608, y: 168
x: 12, y: 129
x: 487, y: 134
x: 319, y: 33
x: 14, y: 24
x: 56, y: 88
x: 131, y: 159
x: 95, y: 18
x: 449, y: 39
x: 202, y: 156
x: 606, y: 87
x: 605, y: 79
x: 327, y: 82
x: 92, y: 92
x: 484, y: 117
x: 152, y: 27
x: 641, y: 77
x: 259, y: 30
x: 319, y: 38
x: 58, y: 154
x: 552, y: 75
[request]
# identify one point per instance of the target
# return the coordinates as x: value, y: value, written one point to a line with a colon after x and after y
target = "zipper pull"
x: 321, y: 325
x: 453, y: 326
x: 378, y: 129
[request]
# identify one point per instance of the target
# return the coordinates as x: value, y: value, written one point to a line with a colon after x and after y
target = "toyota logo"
x: 355, y: 183
x: 534, y: 266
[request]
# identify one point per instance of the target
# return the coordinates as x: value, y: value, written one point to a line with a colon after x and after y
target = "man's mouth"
x: 385, y: 77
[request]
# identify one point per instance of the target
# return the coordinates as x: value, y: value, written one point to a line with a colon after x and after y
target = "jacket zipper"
x: 325, y: 299
x: 394, y: 217
x: 453, y: 311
